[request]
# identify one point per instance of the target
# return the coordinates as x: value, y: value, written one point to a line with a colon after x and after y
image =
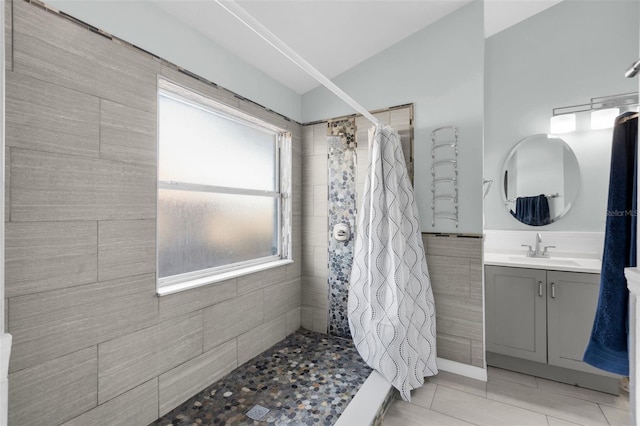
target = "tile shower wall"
x: 315, y: 210
x: 455, y: 268
x: 315, y: 269
x: 92, y: 341
x: 455, y: 262
x: 342, y: 210
x: 400, y: 119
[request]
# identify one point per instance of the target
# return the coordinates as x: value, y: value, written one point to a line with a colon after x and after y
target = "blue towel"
x: 533, y: 210
x: 607, y: 348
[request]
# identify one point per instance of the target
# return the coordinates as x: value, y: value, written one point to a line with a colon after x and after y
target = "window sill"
x: 199, y: 282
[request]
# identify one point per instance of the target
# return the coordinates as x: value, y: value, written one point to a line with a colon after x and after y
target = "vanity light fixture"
x: 603, y: 110
x: 564, y: 123
x: 604, y: 118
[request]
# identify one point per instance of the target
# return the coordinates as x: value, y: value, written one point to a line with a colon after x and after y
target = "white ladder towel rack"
x: 444, y: 174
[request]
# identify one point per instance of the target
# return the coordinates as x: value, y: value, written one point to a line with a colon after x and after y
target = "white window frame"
x: 188, y: 280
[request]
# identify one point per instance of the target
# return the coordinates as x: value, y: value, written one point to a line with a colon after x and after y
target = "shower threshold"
x: 307, y: 379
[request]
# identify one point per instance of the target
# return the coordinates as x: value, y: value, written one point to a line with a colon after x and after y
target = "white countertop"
x: 569, y: 264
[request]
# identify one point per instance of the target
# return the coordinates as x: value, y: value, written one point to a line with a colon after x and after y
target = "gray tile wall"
x: 315, y: 268
x: 455, y: 268
x: 92, y: 341
x: 315, y: 234
x: 455, y: 262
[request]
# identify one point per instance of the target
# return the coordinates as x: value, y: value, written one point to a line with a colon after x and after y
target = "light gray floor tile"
x: 511, y: 376
x: 483, y: 411
x: 621, y: 402
x: 557, y: 422
x: 404, y: 414
x: 542, y: 401
x: 423, y: 396
x: 509, y: 395
x: 616, y: 417
x: 461, y: 383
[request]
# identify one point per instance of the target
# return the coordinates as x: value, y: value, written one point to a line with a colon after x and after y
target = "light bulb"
x: 604, y: 118
x: 564, y: 123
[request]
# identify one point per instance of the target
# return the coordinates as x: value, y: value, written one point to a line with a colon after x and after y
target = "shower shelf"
x: 444, y: 187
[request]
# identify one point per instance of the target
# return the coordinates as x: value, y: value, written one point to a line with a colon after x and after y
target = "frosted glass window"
x: 200, y: 230
x: 222, y: 200
x: 194, y: 142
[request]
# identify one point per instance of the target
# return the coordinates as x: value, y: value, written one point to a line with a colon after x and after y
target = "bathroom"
x: 93, y: 341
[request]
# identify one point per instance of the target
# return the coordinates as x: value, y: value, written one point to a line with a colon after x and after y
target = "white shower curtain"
x: 391, y: 308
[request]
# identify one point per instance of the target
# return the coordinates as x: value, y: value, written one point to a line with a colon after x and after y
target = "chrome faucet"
x: 537, y: 253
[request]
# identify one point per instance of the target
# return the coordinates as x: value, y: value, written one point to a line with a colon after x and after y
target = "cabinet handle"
x: 553, y: 290
x: 540, y: 288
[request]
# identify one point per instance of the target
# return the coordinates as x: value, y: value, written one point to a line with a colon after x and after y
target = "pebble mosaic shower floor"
x: 307, y: 379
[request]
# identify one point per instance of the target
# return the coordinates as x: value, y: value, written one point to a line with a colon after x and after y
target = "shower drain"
x: 257, y: 412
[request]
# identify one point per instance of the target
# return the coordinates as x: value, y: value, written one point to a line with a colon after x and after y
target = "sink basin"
x: 545, y: 261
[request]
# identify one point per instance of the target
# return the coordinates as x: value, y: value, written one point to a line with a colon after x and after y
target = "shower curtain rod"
x: 253, y: 24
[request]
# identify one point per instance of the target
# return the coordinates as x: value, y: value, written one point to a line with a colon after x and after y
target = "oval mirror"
x: 540, y: 180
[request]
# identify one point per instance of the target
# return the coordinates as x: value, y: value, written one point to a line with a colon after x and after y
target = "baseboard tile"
x: 461, y: 369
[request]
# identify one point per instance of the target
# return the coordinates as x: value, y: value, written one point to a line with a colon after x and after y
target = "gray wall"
x: 92, y: 341
x: 563, y: 56
x: 440, y: 70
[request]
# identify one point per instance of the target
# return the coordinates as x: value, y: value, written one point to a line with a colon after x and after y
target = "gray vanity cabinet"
x: 542, y: 316
x: 571, y: 305
x: 516, y: 310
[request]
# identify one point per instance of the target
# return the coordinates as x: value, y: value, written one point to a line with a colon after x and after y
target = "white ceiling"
x: 332, y: 35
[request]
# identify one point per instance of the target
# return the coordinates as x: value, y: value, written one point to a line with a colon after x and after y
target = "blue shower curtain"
x: 607, y: 348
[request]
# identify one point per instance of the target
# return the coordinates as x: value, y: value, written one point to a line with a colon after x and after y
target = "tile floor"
x: 507, y: 399
x: 306, y: 379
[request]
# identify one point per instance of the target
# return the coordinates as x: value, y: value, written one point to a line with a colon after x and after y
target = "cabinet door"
x: 571, y: 307
x: 516, y: 312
